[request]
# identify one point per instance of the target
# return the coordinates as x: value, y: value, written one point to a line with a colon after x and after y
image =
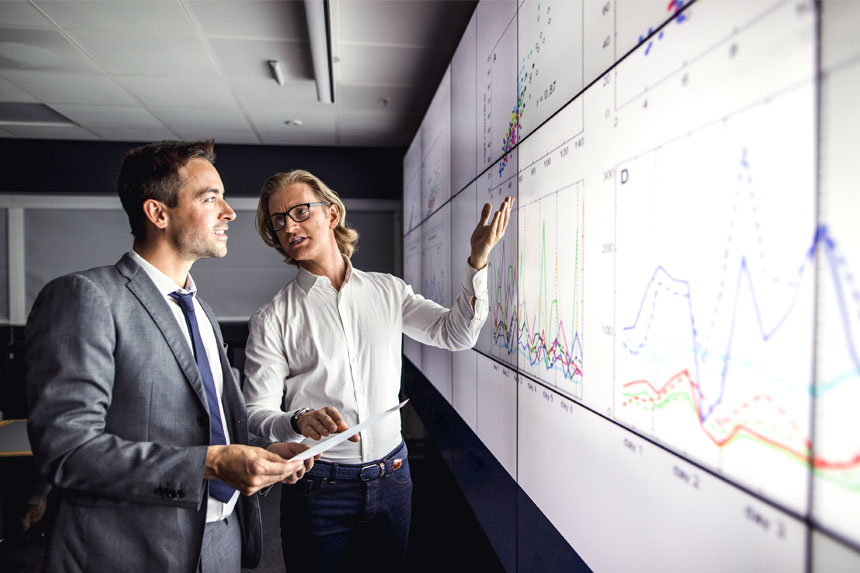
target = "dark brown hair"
x: 152, y: 172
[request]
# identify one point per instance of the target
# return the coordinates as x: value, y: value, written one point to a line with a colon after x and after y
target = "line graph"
x: 715, y: 282
x: 550, y: 286
x: 836, y: 485
x: 499, y: 335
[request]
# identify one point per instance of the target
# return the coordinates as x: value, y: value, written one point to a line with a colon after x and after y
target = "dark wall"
x: 57, y: 167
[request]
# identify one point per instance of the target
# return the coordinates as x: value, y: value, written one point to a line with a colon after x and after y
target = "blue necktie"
x: 217, y: 488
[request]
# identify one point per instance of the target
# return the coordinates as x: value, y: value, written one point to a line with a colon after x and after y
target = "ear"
x: 156, y: 213
x: 334, y: 216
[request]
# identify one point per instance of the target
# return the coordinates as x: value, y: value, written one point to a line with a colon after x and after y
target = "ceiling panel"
x: 134, y: 134
x: 400, y: 99
x: 160, y: 17
x: 196, y: 92
x: 147, y: 69
x: 57, y: 88
x: 201, y: 123
x: 374, y: 125
x: 48, y: 50
x: 361, y: 64
x: 269, y: 93
x: 167, y: 56
x: 406, y: 23
x: 364, y: 129
x: 246, y: 59
x: 10, y: 92
x: 273, y: 117
x: 323, y: 136
x: 271, y: 20
x: 41, y: 132
x: 22, y: 13
x: 109, y: 116
x: 318, y: 125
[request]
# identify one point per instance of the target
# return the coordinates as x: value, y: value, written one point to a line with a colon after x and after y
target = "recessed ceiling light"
x: 295, y: 122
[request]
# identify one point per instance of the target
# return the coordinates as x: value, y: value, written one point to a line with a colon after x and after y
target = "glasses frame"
x: 289, y: 213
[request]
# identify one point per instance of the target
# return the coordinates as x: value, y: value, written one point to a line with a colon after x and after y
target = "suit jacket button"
x: 171, y: 494
x: 201, y: 420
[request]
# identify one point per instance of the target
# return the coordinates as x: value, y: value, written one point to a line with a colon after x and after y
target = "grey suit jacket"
x: 119, y: 423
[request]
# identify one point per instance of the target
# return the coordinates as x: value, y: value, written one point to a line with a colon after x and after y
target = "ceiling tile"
x: 11, y: 92
x: 374, y: 129
x: 246, y: 59
x: 170, y: 56
x: 39, y: 132
x: 272, y: 118
x: 22, y: 13
x: 378, y: 65
x: 272, y: 20
x: 68, y: 88
x: 197, y: 92
x: 41, y: 50
x: 304, y: 137
x: 138, y: 17
x: 368, y: 98
x: 193, y: 123
x: 318, y: 125
x: 137, y: 134
x: 402, y: 22
x: 240, y: 136
x: 269, y: 93
x: 97, y: 116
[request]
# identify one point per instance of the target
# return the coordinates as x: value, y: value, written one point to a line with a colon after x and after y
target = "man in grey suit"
x: 135, y: 415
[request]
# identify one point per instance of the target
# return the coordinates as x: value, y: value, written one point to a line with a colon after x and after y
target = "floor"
x: 445, y: 534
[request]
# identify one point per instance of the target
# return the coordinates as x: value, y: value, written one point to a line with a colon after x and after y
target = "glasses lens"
x: 300, y: 212
x: 276, y: 222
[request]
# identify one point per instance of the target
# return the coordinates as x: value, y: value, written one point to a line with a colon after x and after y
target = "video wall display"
x: 672, y: 348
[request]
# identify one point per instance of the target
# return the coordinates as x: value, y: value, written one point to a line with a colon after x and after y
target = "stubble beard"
x: 194, y: 246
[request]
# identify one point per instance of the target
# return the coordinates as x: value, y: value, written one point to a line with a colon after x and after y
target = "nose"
x: 291, y: 225
x: 228, y: 213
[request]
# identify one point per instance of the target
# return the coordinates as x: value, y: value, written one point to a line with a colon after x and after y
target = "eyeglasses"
x: 298, y: 213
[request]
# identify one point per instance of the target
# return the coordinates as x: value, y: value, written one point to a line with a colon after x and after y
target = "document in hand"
x: 336, y: 439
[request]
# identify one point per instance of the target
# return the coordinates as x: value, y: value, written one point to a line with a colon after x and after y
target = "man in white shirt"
x: 135, y: 416
x: 329, y: 345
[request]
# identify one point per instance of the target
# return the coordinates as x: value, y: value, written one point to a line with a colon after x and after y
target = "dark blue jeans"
x: 344, y: 516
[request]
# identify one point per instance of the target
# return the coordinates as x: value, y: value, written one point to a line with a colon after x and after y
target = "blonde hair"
x: 345, y: 237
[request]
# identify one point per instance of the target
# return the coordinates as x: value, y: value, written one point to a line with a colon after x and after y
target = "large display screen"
x: 672, y: 354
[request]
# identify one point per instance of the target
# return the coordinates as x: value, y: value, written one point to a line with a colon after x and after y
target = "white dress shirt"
x: 313, y: 346
x: 216, y: 510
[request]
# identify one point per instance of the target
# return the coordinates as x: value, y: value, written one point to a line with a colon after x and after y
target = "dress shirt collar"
x: 163, y: 283
x: 307, y: 280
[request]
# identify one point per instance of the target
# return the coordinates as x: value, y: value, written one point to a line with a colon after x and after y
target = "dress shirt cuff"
x: 475, y: 281
x: 285, y: 427
x: 475, y: 285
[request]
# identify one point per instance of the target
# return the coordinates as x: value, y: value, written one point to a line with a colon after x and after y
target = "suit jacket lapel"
x: 152, y: 300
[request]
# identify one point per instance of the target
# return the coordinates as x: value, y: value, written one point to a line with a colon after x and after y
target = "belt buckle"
x: 380, y: 467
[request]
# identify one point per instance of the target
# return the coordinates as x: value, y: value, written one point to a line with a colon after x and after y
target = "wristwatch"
x: 294, y: 419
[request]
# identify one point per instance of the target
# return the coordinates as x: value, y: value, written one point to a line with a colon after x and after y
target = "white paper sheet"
x: 336, y: 439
